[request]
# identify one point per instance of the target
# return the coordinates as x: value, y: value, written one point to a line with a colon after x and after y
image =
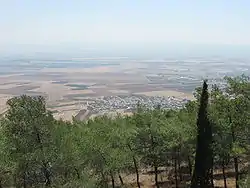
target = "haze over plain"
x: 119, y: 47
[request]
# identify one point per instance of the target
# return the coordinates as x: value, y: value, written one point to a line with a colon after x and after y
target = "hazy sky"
x: 124, y: 21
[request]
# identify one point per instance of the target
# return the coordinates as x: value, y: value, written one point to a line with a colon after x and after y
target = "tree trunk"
x: 15, y: 180
x: 136, y: 168
x: 77, y: 172
x: 224, y: 174
x: 122, y: 183
x: 179, y: 164
x: 44, y: 162
x: 212, y: 174
x: 65, y: 174
x: 236, y: 167
x: 121, y: 180
x: 104, y: 181
x: 24, y: 181
x: 175, y: 171
x: 24, y: 175
x: 190, y: 166
x: 113, y: 180
x: 47, y: 175
x: 236, y: 164
x: 137, y: 173
x: 156, y: 176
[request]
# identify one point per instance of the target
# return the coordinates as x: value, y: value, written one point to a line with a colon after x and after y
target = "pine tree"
x: 27, y: 128
x: 202, y: 175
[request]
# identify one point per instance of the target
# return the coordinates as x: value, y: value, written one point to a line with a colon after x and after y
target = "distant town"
x: 126, y: 104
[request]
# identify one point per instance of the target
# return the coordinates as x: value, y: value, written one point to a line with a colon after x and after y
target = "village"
x: 129, y: 103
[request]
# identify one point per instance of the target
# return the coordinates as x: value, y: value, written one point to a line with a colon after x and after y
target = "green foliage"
x: 204, y: 156
x: 245, y: 183
x: 27, y: 127
x: 37, y: 151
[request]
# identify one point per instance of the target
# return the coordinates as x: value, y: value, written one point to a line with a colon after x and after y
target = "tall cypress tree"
x: 202, y: 175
